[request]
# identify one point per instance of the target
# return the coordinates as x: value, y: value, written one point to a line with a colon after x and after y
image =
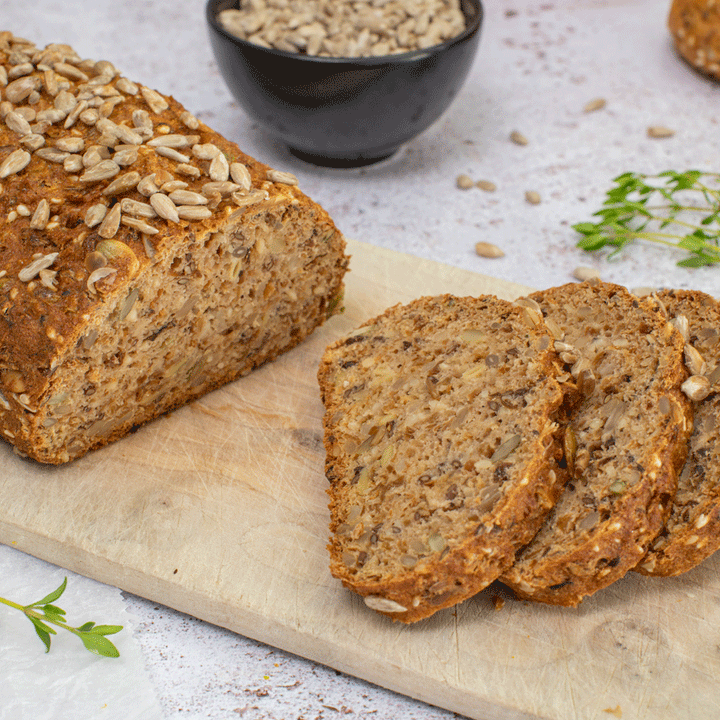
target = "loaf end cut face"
x: 442, y: 424
x: 692, y: 531
x: 627, y: 439
x: 145, y: 260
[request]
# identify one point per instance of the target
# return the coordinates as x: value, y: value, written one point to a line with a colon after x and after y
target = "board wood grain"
x: 219, y: 510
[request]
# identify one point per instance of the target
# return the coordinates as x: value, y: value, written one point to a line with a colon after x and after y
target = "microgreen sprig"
x: 676, y: 209
x: 43, y: 611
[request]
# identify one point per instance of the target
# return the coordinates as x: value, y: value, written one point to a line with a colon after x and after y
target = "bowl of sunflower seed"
x: 344, y: 83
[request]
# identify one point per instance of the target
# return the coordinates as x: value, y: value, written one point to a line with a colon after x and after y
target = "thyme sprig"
x: 43, y: 611
x: 680, y: 210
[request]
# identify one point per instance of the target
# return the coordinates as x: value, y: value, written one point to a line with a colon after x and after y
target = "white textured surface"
x: 536, y: 69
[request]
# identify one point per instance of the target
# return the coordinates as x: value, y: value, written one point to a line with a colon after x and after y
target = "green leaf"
x: 585, y: 228
x: 87, y: 626
x: 43, y: 632
x: 592, y: 242
x: 54, y: 595
x: 106, y: 629
x: 99, y: 645
x: 696, y: 261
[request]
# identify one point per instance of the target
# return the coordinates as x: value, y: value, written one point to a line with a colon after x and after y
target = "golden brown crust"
x: 625, y: 470
x: 695, y: 29
x: 63, y: 119
x: 692, y: 531
x: 426, y: 481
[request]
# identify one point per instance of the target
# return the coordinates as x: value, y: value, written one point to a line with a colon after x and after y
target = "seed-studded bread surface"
x: 441, y: 425
x: 695, y: 29
x: 626, y: 440
x: 692, y: 531
x: 145, y: 260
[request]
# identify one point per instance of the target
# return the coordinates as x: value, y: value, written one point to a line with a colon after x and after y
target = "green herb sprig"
x: 677, y: 209
x: 43, y: 611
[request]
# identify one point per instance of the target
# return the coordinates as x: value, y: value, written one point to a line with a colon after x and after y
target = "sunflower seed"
x: 52, y: 154
x: 186, y: 197
x: 29, y: 272
x: 70, y: 144
x: 219, y: 170
x: 278, y: 176
x: 95, y: 214
x: 532, y: 197
x: 14, y: 163
x: 73, y: 164
x: 70, y: 72
x: 123, y: 183
x: 172, y: 154
x: 32, y: 142
x: 17, y: 123
x: 3, y: 76
x: 104, y: 170
x: 41, y: 215
x: 486, y: 185
x: 488, y: 250
x: 97, y: 275
x: 147, y: 186
x: 193, y: 212
x: 243, y: 200
x: 657, y: 131
x: 139, y: 225
x: 173, y: 140
x: 126, y: 156
x: 19, y: 89
x: 164, y: 207
x: 696, y: 387
x: 50, y: 115
x: 189, y: 120
x: 137, y: 208
x: 224, y: 188
x: 518, y: 138
x: 21, y: 69
x: 172, y: 186
x: 75, y: 114
x: 110, y: 224
x: 240, y: 175
x: 694, y: 360
x: 142, y: 121
x: 65, y: 102
x: 464, y: 182
x: 596, y: 104
x: 126, y: 86
x: 154, y: 99
x: 585, y: 273
x: 189, y: 170
x: 205, y: 152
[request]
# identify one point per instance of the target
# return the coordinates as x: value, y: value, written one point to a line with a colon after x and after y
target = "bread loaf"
x: 442, y: 423
x: 695, y: 29
x: 692, y: 531
x: 145, y: 260
x: 626, y: 440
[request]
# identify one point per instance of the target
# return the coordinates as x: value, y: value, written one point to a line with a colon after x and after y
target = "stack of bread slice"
x: 539, y: 443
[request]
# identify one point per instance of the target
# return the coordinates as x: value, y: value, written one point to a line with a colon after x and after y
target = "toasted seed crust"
x: 631, y: 434
x: 442, y: 431
x: 692, y: 531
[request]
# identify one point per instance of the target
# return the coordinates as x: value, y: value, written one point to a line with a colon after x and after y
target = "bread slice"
x: 626, y: 440
x: 692, y: 531
x: 145, y: 260
x: 441, y: 430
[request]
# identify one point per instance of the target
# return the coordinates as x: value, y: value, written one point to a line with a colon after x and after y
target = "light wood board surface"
x: 219, y: 510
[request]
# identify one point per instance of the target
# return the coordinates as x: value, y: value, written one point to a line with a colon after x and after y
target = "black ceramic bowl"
x: 344, y: 112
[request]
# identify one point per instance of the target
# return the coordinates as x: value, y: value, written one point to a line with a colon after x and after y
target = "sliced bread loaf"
x: 626, y: 440
x: 692, y: 531
x: 441, y: 430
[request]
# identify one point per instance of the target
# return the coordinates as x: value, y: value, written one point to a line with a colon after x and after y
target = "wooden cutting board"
x: 219, y: 511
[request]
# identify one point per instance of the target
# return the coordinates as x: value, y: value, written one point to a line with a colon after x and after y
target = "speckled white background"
x: 540, y: 62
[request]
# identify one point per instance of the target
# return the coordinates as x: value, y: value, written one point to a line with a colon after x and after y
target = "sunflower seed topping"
x: 73, y: 164
x: 17, y: 123
x: 154, y: 99
x: 52, y: 154
x: 126, y: 86
x: 189, y: 170
x: 32, y: 142
x: 29, y: 272
x: 240, y: 175
x: 186, y: 197
x: 14, y: 163
x: 104, y: 170
x: 123, y: 183
x: 41, y: 215
x: 189, y: 120
x: 147, y: 185
x: 110, y: 224
x: 139, y: 225
x: 95, y: 214
x: 70, y: 72
x: 137, y: 208
x: 172, y: 140
x: 205, y: 152
x: 172, y: 154
x: 19, y: 89
x: 219, y: 170
x: 164, y: 207
x: 70, y: 144
x: 193, y: 212
x: 126, y: 156
x: 278, y: 176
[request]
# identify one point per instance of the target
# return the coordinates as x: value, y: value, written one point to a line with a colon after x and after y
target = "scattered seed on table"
x: 532, y: 197
x: 486, y: 185
x: 585, y: 273
x: 596, y: 104
x: 488, y: 250
x: 518, y: 138
x: 657, y: 131
x: 464, y: 182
